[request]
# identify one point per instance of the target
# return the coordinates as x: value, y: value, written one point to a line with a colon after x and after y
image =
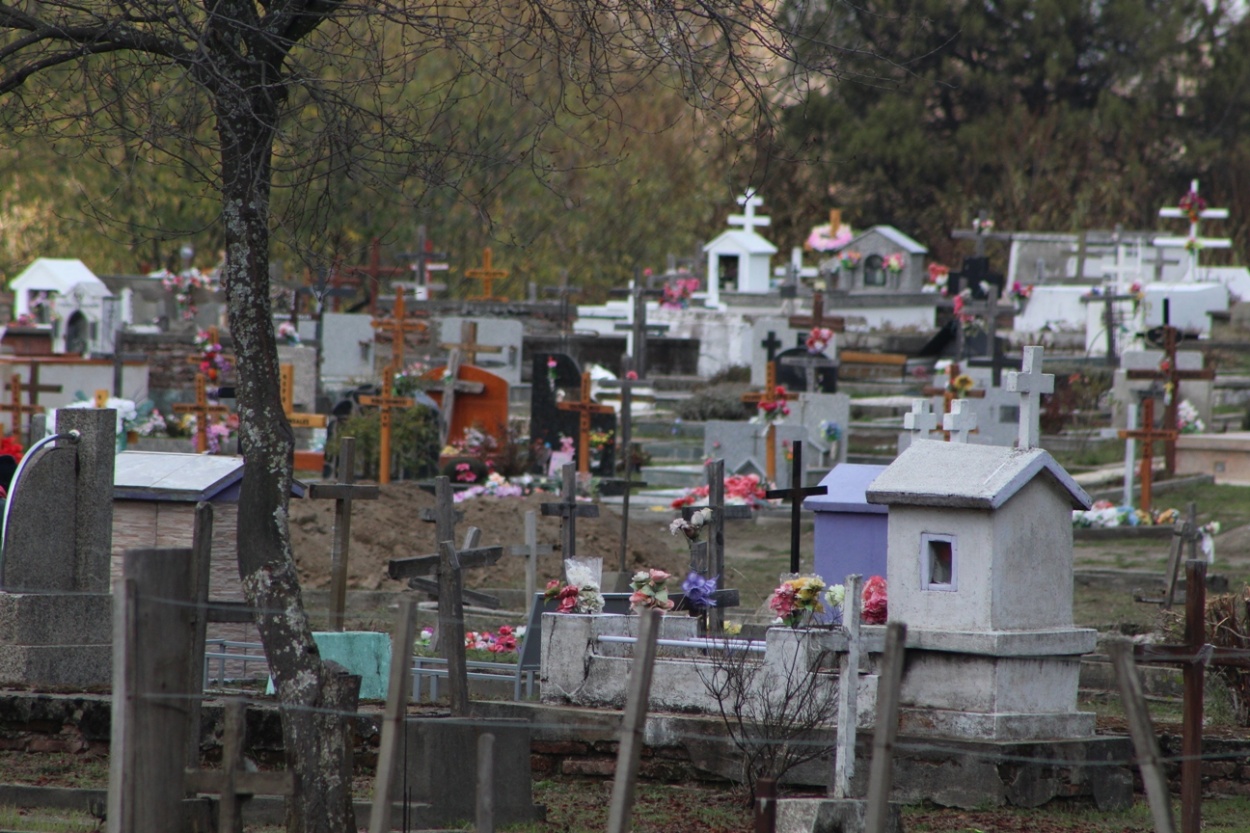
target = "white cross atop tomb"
x: 961, y: 421
x: 1194, y: 242
x: 1030, y: 382
x: 747, y: 219
x: 920, y: 419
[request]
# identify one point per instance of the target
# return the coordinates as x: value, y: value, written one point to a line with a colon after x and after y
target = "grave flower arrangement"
x: 650, y: 592
x: 551, y: 372
x: 961, y: 385
x: 875, y: 601
x: 678, y: 292
x: 818, y: 340
x: 830, y: 431
x: 408, y: 380
x: 894, y: 262
x: 1105, y: 514
x: 1193, y: 206
x: 850, y: 259
x: 740, y: 489
x: 581, y: 594
x: 1187, y: 419
x: 835, y: 596
x: 797, y: 599
x: 692, y: 528
x: 287, y: 333
x: 182, y: 285
x: 699, y: 593
x: 937, y: 279
x: 496, y: 485
x: 1193, y: 245
x: 774, y: 409
x: 213, y: 363
x: 11, y: 447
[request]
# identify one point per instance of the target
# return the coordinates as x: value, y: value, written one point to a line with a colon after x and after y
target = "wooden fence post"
x: 1144, y: 741
x: 629, y: 753
x: 886, y: 730
x: 153, y: 634
x: 397, y: 694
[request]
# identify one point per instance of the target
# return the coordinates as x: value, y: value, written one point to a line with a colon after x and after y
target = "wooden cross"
x: 638, y: 327
x: 468, y: 346
x: 960, y: 422
x: 233, y: 782
x: 1148, y: 434
x: 770, y: 434
x: 385, y: 402
x: 487, y: 274
x: 568, y: 510
x: 398, y: 326
x: 1031, y: 383
x: 375, y: 271
x: 530, y: 551
x: 980, y: 233
x: 202, y: 410
x: 1185, y: 533
x: 470, y: 555
x: 14, y: 405
x: 1171, y: 376
x: 796, y: 493
x: 1194, y: 655
x: 286, y: 383
x: 447, y: 403
x: 342, y: 493
x: 708, y: 557
x: 817, y: 319
x: 584, y: 407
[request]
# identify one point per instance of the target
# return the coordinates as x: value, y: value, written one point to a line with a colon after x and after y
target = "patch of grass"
x: 40, y: 820
x: 582, y: 806
x: 61, y: 769
x: 1224, y: 815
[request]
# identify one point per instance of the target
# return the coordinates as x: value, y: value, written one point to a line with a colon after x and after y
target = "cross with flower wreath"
x: 775, y: 396
x: 1194, y: 208
x: 1171, y: 376
x: 202, y: 410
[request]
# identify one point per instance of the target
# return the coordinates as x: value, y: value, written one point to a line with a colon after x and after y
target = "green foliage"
x: 739, y: 373
x: 414, y: 440
x: 714, y: 402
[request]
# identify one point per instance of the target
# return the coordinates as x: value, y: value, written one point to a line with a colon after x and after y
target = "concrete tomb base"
x: 831, y: 815
x: 56, y: 640
x: 441, y: 766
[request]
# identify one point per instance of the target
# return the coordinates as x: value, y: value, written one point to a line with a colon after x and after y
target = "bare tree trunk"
x: 312, y: 700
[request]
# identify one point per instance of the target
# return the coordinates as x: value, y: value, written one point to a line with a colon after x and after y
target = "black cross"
x: 771, y: 344
x: 795, y: 493
x: 708, y: 557
x: 568, y: 510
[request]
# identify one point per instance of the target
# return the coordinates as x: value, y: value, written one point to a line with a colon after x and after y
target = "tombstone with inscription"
x: 557, y: 378
x: 55, y: 605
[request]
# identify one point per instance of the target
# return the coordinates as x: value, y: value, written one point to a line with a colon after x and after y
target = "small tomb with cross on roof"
x: 979, y: 566
x: 739, y: 259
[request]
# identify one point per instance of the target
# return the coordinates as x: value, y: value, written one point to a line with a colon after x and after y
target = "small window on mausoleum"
x: 938, y: 562
x: 874, y: 270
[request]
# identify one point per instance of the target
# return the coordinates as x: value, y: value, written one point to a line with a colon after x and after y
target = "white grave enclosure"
x: 980, y: 569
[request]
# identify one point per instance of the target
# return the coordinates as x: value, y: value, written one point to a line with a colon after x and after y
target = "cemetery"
x: 846, y: 538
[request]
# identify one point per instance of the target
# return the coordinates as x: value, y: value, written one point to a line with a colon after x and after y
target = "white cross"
x: 960, y: 422
x: 1194, y: 242
x: 1030, y: 382
x: 848, y: 689
x: 749, y: 201
x: 920, y: 419
x: 796, y: 269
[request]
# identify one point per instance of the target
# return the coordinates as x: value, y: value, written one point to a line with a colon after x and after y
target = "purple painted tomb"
x: 850, y: 531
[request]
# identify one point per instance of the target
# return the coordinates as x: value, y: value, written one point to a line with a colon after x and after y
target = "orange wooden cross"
x: 817, y: 318
x: 487, y: 274
x: 202, y: 410
x: 16, y: 407
x: 1148, y: 434
x: 385, y: 402
x: 286, y: 383
x: 398, y: 326
x: 584, y: 408
x: 468, y: 346
x: 1171, y: 376
x: 769, y: 394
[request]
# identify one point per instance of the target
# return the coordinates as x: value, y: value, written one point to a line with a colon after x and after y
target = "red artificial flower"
x: 875, y: 607
x: 11, y: 446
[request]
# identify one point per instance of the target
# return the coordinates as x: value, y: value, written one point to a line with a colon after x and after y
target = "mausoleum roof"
x: 58, y: 274
x: 903, y: 241
x: 964, y: 476
x: 179, y: 477
x: 741, y: 241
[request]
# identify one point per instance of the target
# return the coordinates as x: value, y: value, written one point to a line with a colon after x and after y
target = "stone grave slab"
x: 347, y: 350
x: 742, y: 446
x: 812, y: 410
x: 491, y: 332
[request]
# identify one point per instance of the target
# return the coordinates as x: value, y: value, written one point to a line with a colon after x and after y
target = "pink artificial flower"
x: 875, y: 607
x: 632, y: 375
x: 658, y: 576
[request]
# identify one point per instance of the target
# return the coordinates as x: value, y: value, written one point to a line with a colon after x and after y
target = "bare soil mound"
x: 391, y: 527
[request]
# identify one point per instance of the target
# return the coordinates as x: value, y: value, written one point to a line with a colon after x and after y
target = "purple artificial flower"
x: 698, y: 592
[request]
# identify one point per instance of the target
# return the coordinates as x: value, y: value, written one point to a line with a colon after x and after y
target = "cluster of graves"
x: 961, y: 509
